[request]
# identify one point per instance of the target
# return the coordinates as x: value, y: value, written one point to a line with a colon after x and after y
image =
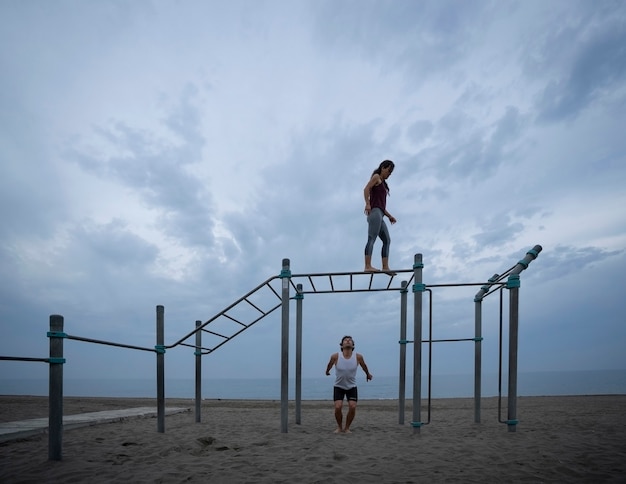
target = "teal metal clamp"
x: 197, y: 353
x: 512, y: 422
x: 419, y: 265
x: 58, y: 361
x: 160, y: 349
x: 419, y: 287
x: 416, y: 424
x: 478, y: 338
x: 57, y: 334
x: 405, y: 341
x: 299, y: 295
x: 513, y: 281
x: 404, y: 290
x: 285, y: 273
x: 523, y: 262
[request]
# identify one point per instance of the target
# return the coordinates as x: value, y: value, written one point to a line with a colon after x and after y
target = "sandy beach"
x: 558, y: 439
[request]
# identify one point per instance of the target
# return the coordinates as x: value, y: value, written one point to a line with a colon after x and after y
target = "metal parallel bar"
x: 466, y: 284
x: 494, y: 290
x: 18, y: 358
x: 389, y: 288
x: 447, y: 340
x: 109, y: 343
x: 351, y: 290
x: 443, y: 340
x: 330, y: 280
x: 323, y: 274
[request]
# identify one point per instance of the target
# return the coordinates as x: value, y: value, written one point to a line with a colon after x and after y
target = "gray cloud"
x: 156, y: 168
x: 592, y: 57
x: 401, y: 34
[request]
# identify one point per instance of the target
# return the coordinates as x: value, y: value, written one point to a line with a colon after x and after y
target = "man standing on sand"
x: 346, y: 364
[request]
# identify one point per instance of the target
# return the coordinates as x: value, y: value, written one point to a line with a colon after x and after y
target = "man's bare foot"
x: 386, y: 270
x: 371, y: 269
x: 338, y: 430
x: 347, y: 431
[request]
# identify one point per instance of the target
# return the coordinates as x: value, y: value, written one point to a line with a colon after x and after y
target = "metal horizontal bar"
x: 109, y: 343
x: 23, y: 358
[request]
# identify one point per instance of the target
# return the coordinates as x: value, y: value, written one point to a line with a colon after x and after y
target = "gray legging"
x: 377, y: 228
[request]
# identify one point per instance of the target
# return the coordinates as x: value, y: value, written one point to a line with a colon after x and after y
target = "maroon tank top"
x: 378, y: 196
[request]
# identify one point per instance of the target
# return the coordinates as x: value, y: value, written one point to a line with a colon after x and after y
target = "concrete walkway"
x: 35, y: 426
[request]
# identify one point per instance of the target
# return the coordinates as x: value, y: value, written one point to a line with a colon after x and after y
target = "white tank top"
x: 345, y: 371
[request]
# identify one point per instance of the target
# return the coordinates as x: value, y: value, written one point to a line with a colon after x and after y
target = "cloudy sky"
x: 174, y: 152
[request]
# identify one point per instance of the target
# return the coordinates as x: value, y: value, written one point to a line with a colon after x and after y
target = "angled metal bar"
x: 191, y: 333
x: 241, y: 330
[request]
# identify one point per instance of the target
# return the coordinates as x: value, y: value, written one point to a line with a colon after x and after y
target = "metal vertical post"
x: 55, y: 390
x: 478, y: 338
x: 198, y: 354
x: 160, y: 367
x: 285, y: 275
x: 513, y: 284
x: 418, y: 290
x: 403, y: 343
x: 299, y: 297
x: 477, y: 358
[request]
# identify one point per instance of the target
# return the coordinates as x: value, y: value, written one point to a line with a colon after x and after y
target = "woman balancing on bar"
x: 375, y: 194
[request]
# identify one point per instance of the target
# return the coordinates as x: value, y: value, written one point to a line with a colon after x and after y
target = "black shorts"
x: 340, y: 393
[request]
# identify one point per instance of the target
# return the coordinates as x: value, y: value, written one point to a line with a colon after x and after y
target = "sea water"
x: 597, y: 382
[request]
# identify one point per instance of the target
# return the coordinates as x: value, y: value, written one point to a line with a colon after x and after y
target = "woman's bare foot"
x: 386, y: 270
x: 370, y: 269
x: 338, y: 430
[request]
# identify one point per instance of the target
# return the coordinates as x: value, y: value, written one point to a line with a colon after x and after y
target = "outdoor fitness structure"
x: 227, y: 324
